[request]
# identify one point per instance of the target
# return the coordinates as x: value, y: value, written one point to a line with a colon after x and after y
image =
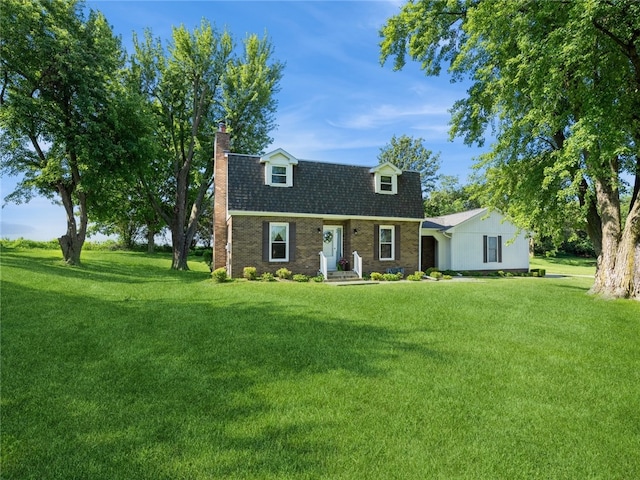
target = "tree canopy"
x: 409, y: 153
x: 557, y: 84
x: 66, y: 120
x: 191, y: 85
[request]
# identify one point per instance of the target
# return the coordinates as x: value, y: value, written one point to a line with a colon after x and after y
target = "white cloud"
x: 387, y: 114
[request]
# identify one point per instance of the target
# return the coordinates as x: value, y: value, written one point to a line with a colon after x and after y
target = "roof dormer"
x: 386, y: 178
x: 278, y: 168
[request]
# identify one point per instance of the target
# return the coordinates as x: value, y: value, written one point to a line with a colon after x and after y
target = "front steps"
x: 342, y: 276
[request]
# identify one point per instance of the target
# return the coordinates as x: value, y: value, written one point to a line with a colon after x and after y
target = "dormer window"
x: 386, y: 178
x: 386, y: 183
x: 278, y: 168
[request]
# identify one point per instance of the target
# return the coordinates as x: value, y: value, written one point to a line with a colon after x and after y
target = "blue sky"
x: 336, y: 103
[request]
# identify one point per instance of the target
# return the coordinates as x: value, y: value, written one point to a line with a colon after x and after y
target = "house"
x: 276, y: 210
x: 475, y: 240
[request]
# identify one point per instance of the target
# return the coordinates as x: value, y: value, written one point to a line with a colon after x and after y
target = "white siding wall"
x: 467, y: 244
x: 443, y: 251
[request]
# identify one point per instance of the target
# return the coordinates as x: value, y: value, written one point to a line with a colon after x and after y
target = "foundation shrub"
x: 250, y: 273
x: 283, y: 273
x: 219, y: 275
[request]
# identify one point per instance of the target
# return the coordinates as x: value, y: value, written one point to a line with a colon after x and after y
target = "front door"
x: 332, y: 245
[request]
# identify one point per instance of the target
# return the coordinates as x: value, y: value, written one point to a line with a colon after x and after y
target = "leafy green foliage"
x: 283, y: 273
x: 558, y: 86
x: 250, y: 273
x: 416, y: 276
x: 67, y: 122
x: 220, y: 275
x: 190, y: 86
x: 410, y: 154
x: 450, y: 197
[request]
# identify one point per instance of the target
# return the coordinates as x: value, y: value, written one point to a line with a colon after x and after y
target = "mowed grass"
x: 122, y: 369
x: 565, y: 265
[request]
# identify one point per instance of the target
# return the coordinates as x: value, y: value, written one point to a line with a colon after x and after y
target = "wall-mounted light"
x: 355, y: 231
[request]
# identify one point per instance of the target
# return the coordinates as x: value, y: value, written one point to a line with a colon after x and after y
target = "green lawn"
x: 564, y: 265
x: 122, y: 369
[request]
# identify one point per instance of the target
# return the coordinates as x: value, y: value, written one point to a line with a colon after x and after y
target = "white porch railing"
x: 324, y: 266
x: 357, y: 264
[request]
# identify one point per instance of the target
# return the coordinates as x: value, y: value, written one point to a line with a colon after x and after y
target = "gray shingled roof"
x: 446, y: 222
x: 322, y: 189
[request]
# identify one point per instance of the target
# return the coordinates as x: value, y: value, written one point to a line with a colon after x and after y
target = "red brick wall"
x: 246, y: 238
x: 220, y: 200
x: 363, y: 243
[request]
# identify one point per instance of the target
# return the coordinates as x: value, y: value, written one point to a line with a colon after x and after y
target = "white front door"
x: 332, y: 245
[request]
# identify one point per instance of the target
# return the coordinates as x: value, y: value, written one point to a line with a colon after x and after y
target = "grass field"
x: 122, y: 369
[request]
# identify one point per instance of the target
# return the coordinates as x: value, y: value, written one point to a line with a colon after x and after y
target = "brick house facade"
x: 277, y: 211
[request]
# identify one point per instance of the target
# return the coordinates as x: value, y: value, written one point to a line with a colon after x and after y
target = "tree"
x: 410, y: 154
x: 65, y: 120
x: 450, y: 197
x: 191, y: 86
x: 558, y: 84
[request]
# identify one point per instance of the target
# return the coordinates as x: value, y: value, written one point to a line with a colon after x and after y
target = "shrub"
x: 537, y: 272
x: 430, y: 270
x: 207, y: 256
x: 267, y: 277
x: 298, y: 277
x: 220, y: 275
x: 447, y: 277
x: 376, y: 276
x: 392, y: 277
x: 417, y: 276
x: 318, y: 278
x: 250, y: 273
x: 436, y: 274
x: 283, y: 273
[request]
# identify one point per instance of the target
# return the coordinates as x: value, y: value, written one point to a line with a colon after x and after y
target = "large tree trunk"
x: 180, y: 249
x: 151, y: 240
x: 618, y: 268
x: 71, y: 243
x: 71, y: 248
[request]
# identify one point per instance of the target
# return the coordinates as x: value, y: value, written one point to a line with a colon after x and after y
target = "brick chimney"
x: 220, y: 159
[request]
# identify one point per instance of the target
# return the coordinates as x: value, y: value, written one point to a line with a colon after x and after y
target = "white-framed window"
x: 278, y: 242
x: 278, y: 174
x: 386, y: 183
x: 386, y: 242
x: 492, y: 249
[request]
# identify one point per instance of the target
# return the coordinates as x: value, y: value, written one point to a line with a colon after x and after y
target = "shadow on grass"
x: 99, y: 269
x: 159, y: 389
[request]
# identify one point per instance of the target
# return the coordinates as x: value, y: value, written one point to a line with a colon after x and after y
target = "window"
x: 492, y: 247
x: 386, y: 244
x: 278, y: 242
x: 278, y: 174
x: 386, y: 183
